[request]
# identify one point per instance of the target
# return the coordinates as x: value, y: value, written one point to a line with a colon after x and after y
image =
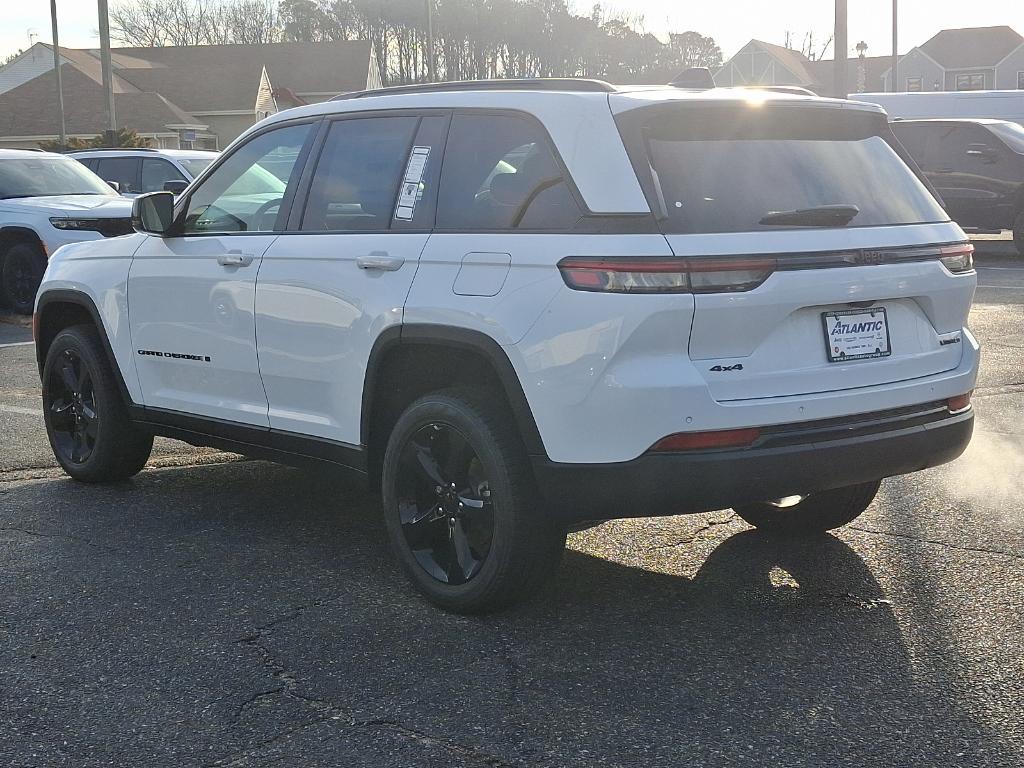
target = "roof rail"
x: 577, y: 84
x: 116, y: 149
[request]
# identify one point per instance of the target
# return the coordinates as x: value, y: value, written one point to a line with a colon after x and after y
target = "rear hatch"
x: 815, y: 254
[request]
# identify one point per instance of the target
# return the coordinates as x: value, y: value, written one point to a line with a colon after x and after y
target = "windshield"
x: 47, y: 176
x: 1012, y: 135
x: 738, y: 169
x: 195, y: 165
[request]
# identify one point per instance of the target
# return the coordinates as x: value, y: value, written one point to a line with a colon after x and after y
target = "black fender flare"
x: 83, y: 300
x: 459, y: 338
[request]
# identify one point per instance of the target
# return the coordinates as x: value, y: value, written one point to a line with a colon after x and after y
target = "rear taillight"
x: 665, y: 274
x: 957, y: 258
x: 695, y: 441
x: 959, y: 404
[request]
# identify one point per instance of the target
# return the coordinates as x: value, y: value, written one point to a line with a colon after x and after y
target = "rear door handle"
x: 380, y: 260
x: 235, y: 259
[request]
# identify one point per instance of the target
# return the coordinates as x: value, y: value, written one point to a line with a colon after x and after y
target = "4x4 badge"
x: 724, y: 368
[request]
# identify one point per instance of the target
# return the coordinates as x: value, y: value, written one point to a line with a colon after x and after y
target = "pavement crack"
x: 711, y: 524
x: 462, y: 750
x: 936, y: 542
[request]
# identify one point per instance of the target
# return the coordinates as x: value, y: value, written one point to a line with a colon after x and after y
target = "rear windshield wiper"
x: 821, y: 216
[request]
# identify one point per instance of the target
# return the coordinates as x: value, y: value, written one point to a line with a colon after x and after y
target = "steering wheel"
x: 263, y: 210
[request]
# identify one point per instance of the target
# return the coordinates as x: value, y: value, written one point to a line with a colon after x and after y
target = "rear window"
x: 733, y: 169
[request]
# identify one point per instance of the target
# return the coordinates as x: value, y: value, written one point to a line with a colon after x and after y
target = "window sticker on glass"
x: 412, y: 188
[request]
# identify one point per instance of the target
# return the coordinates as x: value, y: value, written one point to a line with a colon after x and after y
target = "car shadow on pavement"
x: 237, y: 606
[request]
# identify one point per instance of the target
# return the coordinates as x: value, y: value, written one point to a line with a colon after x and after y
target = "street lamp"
x: 108, y: 75
x: 56, y: 69
x: 842, y: 87
x: 895, y: 48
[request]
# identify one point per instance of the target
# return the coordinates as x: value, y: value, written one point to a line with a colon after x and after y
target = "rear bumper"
x: 796, y: 460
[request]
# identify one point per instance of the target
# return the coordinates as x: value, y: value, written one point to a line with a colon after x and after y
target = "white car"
x: 139, y: 170
x: 46, y: 201
x: 523, y: 307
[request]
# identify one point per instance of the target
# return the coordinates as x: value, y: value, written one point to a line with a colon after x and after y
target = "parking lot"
x: 215, y: 611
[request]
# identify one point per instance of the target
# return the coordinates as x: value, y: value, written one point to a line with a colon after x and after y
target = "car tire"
x: 813, y: 514
x: 461, y: 505
x: 23, y: 268
x: 1018, y: 233
x: 86, y: 418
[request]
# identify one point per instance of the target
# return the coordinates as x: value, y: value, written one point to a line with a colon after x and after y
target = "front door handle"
x: 235, y: 259
x: 380, y: 260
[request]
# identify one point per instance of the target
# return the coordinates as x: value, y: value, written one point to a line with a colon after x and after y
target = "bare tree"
x: 473, y: 38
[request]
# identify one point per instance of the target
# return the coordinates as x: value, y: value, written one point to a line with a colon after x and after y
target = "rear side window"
x: 356, y: 179
x: 500, y: 174
x: 123, y: 170
x: 740, y: 169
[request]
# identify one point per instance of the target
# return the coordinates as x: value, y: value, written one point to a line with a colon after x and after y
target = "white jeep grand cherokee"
x: 522, y: 307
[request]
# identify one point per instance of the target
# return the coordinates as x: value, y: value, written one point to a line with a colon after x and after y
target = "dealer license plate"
x: 856, y: 334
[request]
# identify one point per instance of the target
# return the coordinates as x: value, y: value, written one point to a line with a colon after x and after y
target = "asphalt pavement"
x: 220, y: 612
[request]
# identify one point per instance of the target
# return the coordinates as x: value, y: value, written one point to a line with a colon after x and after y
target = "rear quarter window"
x: 500, y: 173
x: 725, y: 169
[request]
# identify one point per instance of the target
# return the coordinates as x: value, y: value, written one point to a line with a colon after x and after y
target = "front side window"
x: 970, y: 82
x: 156, y: 172
x: 245, y: 192
x: 45, y: 176
x: 123, y: 170
x: 741, y: 169
x: 356, y: 179
x: 500, y: 174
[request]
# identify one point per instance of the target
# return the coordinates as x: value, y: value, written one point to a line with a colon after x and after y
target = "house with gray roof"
x: 188, y: 97
x: 761, y: 63
x: 972, y: 59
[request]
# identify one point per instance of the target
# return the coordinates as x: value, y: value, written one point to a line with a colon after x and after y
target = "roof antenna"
x: 694, y: 77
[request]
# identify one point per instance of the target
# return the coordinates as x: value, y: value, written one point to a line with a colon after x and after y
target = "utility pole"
x: 56, y: 69
x: 431, y: 62
x: 841, y: 89
x: 108, y: 75
x: 895, y: 48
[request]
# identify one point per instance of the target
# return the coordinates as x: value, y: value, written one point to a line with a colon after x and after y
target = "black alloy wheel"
x: 23, y: 267
x: 87, y: 420
x: 444, y: 503
x: 74, y: 418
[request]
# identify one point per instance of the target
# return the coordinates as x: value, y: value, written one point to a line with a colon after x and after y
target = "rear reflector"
x: 661, y: 274
x: 694, y: 441
x: 959, y: 404
x: 957, y: 258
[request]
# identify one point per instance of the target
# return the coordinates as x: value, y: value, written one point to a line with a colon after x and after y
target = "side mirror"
x: 175, y: 187
x: 114, y: 186
x: 153, y: 214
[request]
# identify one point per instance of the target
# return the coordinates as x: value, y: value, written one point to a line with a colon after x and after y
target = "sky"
x: 731, y: 22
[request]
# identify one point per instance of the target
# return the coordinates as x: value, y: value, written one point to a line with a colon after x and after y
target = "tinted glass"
x: 726, y: 170
x: 195, y: 166
x: 355, y: 184
x: 155, y: 172
x: 242, y: 195
x: 123, y: 170
x: 42, y: 176
x: 1012, y: 135
x: 499, y: 173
